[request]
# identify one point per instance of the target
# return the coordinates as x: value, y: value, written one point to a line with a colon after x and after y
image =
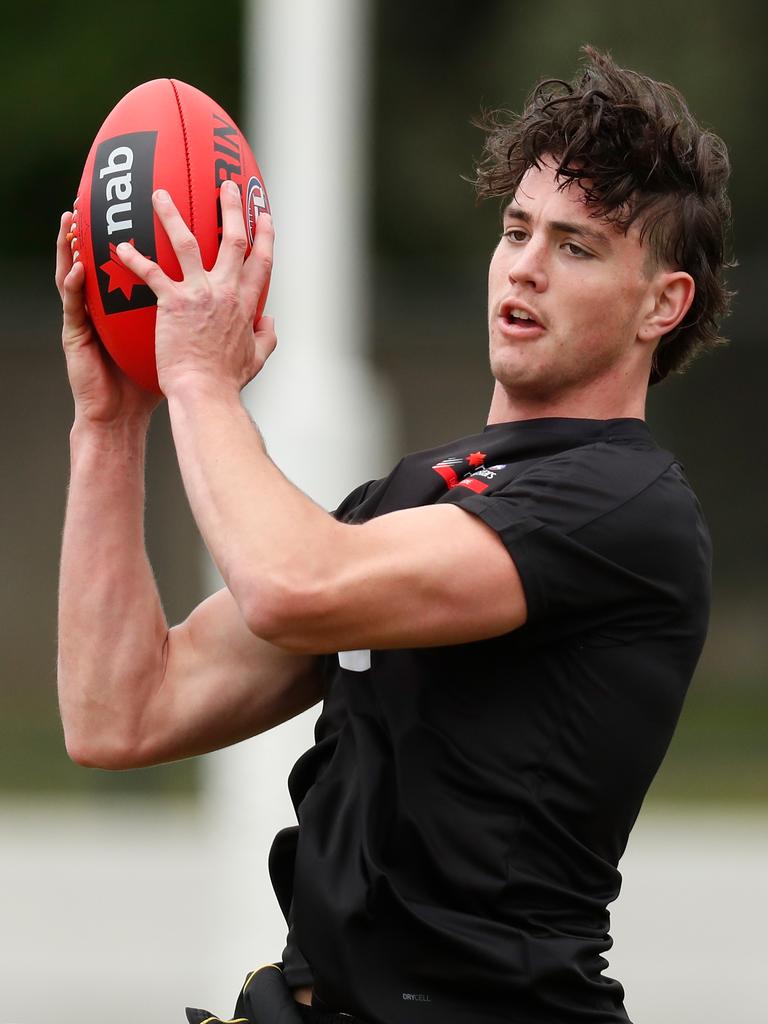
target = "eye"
x: 576, y: 250
x: 515, y: 234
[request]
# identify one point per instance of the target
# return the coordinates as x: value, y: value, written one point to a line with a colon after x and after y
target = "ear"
x: 669, y: 301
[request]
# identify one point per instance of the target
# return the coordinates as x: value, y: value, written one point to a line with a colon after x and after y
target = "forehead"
x: 540, y: 187
x: 543, y: 198
x: 541, y: 194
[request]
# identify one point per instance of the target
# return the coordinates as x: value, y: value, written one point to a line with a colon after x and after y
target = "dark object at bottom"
x: 266, y: 999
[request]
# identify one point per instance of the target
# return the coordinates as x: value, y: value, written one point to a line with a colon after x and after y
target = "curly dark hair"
x: 640, y: 156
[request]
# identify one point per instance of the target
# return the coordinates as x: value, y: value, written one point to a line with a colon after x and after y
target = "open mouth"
x: 520, y: 320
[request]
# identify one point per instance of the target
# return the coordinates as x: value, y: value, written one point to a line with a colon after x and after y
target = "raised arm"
x: 131, y: 691
x: 300, y: 578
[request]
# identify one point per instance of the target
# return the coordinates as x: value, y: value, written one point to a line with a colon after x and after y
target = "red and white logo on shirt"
x: 449, y: 470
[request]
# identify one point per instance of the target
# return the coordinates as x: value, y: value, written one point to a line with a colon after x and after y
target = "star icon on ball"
x: 119, y: 275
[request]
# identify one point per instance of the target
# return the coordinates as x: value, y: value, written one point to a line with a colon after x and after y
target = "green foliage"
x: 62, y: 71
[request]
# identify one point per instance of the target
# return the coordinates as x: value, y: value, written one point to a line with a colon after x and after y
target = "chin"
x: 532, y: 382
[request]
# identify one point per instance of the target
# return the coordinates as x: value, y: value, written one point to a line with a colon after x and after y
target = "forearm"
x: 270, y: 542
x: 112, y: 628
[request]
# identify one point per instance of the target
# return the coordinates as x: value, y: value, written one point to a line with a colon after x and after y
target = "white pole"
x: 324, y: 418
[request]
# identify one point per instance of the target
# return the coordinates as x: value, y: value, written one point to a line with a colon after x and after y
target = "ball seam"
x: 186, y: 156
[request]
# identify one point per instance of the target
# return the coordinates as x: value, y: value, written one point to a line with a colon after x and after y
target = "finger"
x: 144, y: 268
x: 234, y: 242
x: 264, y: 325
x: 63, y: 250
x: 76, y: 320
x: 181, y: 238
x: 258, y: 267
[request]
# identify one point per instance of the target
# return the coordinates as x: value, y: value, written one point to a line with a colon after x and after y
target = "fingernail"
x: 76, y: 255
x: 123, y: 248
x: 161, y: 196
x: 231, y: 187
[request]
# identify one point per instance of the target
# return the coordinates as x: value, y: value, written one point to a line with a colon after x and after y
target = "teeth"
x: 519, y: 314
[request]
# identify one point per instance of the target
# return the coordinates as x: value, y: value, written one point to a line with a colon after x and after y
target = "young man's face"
x: 585, y: 284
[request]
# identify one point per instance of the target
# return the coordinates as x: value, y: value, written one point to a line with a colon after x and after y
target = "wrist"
x: 197, y: 389
x: 126, y: 435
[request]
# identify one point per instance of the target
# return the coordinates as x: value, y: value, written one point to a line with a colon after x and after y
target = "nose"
x: 528, y: 266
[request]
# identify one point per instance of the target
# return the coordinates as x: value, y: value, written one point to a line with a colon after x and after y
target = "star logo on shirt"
x: 449, y: 469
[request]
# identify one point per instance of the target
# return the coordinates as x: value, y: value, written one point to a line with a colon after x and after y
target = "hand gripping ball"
x: 162, y: 134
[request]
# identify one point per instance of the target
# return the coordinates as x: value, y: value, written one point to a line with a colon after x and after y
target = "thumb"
x: 76, y: 320
x: 264, y: 338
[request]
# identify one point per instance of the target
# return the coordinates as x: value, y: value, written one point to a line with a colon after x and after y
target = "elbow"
x: 86, y: 754
x: 77, y: 751
x: 109, y: 753
x: 289, y: 616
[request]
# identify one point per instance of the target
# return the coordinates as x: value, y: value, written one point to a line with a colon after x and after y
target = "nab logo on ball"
x: 121, y: 211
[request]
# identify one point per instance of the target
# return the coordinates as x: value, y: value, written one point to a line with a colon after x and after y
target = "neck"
x: 595, y: 402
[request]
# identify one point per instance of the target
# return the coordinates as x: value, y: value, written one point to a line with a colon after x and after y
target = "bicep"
x: 221, y: 684
x: 419, y: 577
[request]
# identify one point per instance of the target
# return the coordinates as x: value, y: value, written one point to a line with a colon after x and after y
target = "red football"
x: 163, y: 134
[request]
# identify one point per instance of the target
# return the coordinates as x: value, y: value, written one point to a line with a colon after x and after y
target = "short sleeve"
x: 604, y: 531
x: 356, y: 501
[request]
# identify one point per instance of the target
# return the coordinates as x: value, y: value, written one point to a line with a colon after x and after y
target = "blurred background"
x: 110, y: 883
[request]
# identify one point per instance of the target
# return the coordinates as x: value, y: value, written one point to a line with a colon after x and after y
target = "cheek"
x: 495, y: 270
x: 624, y: 313
x: 604, y: 308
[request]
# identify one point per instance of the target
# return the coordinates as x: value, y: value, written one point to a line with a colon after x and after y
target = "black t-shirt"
x: 463, y: 811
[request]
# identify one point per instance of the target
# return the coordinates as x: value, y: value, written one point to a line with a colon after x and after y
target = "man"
x: 502, y: 630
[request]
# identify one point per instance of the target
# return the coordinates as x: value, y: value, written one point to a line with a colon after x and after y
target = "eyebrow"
x: 516, y: 212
